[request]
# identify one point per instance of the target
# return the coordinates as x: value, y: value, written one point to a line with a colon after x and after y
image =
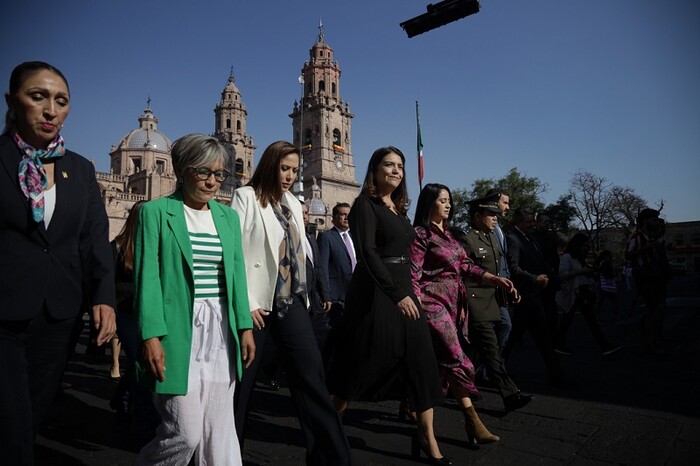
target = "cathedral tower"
x: 230, y: 129
x: 322, y: 129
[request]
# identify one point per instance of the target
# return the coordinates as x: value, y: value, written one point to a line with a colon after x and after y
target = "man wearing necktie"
x: 502, y: 200
x: 316, y: 282
x: 528, y: 270
x: 337, y: 257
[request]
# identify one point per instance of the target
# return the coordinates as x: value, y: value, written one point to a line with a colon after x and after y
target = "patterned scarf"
x: 289, y: 279
x: 32, y: 174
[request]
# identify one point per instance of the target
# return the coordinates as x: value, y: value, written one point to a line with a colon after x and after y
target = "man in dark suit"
x: 316, y: 283
x: 482, y: 247
x: 338, y: 259
x: 528, y: 270
x: 547, y: 240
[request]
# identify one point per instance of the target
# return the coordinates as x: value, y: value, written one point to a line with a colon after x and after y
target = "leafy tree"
x: 561, y: 213
x: 524, y: 191
x: 460, y: 208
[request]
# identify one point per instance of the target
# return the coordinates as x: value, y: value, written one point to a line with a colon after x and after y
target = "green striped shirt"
x: 207, y: 255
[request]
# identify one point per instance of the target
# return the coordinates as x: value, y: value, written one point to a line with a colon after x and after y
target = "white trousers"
x: 200, y: 423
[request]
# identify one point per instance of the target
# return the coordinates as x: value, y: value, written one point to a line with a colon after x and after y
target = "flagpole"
x: 419, y: 148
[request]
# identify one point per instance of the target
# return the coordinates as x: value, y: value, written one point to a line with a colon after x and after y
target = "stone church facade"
x: 322, y: 124
x: 141, y: 167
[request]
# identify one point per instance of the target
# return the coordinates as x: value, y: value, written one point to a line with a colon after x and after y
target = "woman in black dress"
x: 386, y: 335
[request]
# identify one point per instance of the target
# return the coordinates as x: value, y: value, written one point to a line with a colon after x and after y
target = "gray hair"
x: 197, y: 150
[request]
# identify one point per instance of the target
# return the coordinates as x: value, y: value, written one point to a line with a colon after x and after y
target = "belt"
x: 395, y: 260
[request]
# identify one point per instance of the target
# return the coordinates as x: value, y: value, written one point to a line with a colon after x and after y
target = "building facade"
x: 322, y: 126
x: 141, y: 166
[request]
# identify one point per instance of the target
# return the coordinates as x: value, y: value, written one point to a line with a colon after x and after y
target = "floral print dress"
x: 439, y: 265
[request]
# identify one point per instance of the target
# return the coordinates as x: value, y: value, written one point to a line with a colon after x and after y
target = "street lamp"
x: 440, y: 14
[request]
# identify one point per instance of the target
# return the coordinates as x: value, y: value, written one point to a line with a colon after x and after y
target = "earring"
x: 11, y: 114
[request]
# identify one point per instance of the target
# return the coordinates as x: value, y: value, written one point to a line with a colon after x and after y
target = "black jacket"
x: 52, y: 266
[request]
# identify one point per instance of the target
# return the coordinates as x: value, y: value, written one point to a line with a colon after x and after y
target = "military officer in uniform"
x: 485, y: 300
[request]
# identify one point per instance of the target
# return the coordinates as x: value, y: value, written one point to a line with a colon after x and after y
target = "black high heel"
x: 417, y: 447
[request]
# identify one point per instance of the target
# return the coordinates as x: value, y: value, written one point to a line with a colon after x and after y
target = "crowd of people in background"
x: 377, y: 307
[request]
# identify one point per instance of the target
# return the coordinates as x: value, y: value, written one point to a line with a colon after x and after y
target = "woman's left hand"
x: 408, y: 308
x: 105, y: 321
x: 247, y: 347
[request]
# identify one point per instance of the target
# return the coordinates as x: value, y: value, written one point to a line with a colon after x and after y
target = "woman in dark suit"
x: 53, y: 242
x: 386, y: 335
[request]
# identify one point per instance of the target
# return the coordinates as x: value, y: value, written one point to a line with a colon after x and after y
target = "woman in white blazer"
x: 273, y: 233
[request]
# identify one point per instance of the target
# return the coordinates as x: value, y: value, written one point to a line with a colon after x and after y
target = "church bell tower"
x: 230, y: 128
x: 321, y: 122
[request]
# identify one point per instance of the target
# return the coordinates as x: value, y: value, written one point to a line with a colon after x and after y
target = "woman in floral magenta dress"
x: 439, y: 266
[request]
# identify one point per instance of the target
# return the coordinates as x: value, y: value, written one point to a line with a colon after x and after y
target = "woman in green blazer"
x: 192, y: 305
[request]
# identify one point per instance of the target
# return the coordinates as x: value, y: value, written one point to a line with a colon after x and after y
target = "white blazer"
x: 262, y: 234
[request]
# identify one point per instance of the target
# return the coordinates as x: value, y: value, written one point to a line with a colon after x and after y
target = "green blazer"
x: 483, y: 249
x: 164, y: 291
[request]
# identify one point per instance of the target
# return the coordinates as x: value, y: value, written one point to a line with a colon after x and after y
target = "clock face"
x: 339, y: 164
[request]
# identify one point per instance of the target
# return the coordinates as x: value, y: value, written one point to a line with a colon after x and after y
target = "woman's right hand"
x: 154, y: 356
x: 258, y: 316
x: 408, y: 308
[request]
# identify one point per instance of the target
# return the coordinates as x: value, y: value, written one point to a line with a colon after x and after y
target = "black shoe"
x: 563, y: 350
x: 417, y: 447
x: 516, y: 401
x: 611, y: 350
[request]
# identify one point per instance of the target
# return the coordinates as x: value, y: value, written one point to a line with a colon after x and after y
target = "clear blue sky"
x: 547, y: 86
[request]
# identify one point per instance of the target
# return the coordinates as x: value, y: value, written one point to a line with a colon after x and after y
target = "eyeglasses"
x: 204, y: 173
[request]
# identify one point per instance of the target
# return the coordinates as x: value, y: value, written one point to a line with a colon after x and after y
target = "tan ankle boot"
x: 476, y: 430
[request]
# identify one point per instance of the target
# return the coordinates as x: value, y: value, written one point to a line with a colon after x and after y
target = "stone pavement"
x: 626, y: 409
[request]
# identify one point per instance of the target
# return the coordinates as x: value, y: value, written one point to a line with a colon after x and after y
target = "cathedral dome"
x: 317, y: 207
x: 146, y: 139
x: 147, y: 135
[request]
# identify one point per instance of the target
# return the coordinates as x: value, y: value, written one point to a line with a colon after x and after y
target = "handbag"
x: 502, y: 297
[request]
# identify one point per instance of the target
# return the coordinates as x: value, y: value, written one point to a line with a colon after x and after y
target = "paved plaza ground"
x: 628, y: 409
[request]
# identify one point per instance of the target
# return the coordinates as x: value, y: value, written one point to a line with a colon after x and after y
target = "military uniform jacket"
x: 483, y: 249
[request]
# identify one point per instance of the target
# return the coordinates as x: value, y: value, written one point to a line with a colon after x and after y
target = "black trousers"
x: 33, y: 355
x: 336, y: 320
x: 482, y: 336
x: 298, y: 352
x: 549, y: 305
x: 529, y: 315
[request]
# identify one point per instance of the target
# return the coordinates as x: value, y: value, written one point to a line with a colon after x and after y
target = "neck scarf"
x: 289, y: 279
x: 32, y: 174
